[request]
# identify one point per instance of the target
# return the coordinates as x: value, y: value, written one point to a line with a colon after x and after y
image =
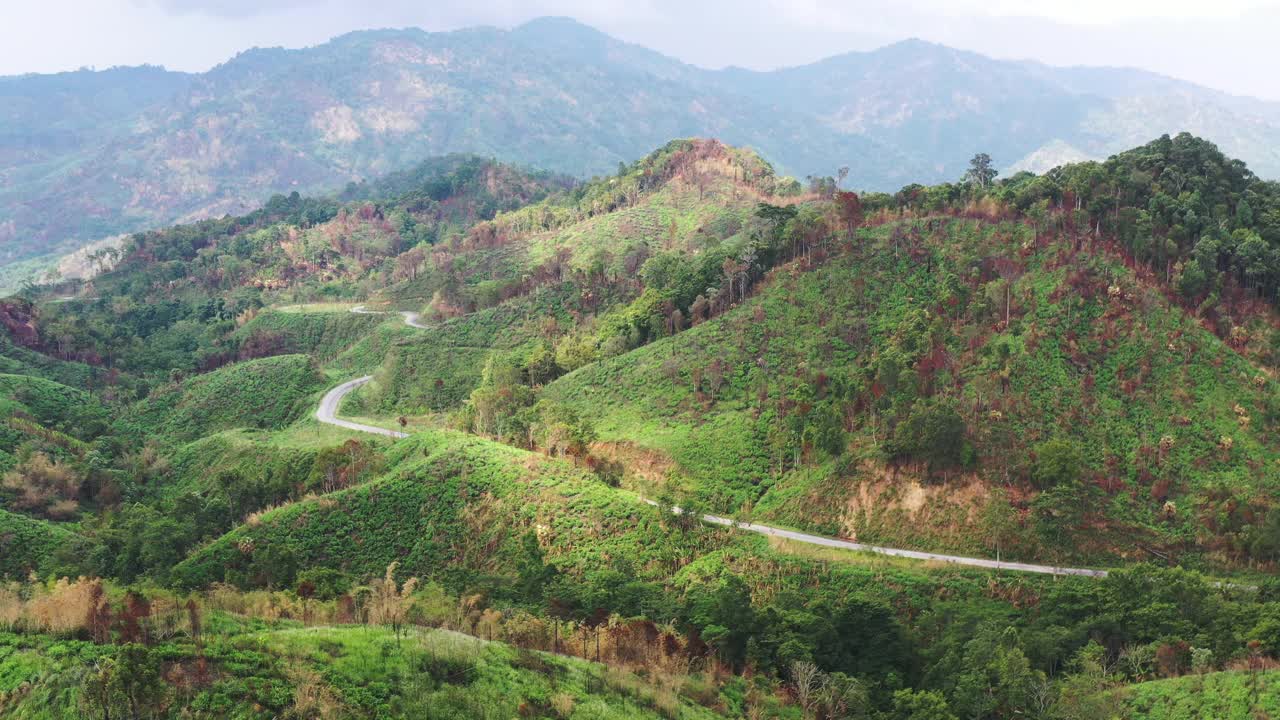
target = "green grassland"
x: 56, y: 406
x: 17, y: 360
x: 320, y: 334
x: 447, y: 506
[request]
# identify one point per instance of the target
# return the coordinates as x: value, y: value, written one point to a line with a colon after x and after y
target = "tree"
x: 980, y: 172
x: 1009, y: 271
x: 863, y: 637
x: 725, y: 619
x: 934, y: 433
x: 996, y: 678
x: 920, y: 705
x: 1265, y: 543
x: 699, y: 310
x: 561, y: 431
x: 1057, y: 463
x: 130, y: 685
x: 533, y: 571
x: 849, y: 206
x: 42, y: 485
x: 999, y: 521
x: 827, y: 695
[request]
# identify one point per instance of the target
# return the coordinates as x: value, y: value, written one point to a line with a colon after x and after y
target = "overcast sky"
x: 1226, y: 44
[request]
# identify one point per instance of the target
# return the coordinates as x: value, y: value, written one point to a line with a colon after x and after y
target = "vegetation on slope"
x: 1234, y: 695
x: 95, y: 154
x: 267, y: 393
x: 177, y: 297
x: 234, y: 667
x: 31, y: 545
x: 952, y: 347
x: 933, y: 368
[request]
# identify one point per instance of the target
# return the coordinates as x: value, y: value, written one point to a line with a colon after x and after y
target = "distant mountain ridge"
x: 86, y: 155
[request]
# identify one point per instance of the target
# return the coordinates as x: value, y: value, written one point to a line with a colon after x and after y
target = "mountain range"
x: 87, y: 155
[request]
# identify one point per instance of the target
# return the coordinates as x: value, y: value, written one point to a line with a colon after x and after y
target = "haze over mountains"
x: 90, y: 154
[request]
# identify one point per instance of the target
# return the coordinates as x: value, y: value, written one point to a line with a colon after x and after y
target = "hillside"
x: 269, y: 392
x: 1237, y: 694
x: 900, y: 382
x: 32, y: 545
x: 1075, y: 369
x: 939, y: 105
x: 158, y: 147
x: 266, y: 668
x: 185, y: 298
x: 907, y: 333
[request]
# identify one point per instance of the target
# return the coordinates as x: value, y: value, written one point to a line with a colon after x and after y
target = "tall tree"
x: 980, y: 172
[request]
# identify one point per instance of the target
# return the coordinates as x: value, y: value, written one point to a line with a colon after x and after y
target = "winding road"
x: 412, y: 319
x: 328, y: 410
x: 328, y: 413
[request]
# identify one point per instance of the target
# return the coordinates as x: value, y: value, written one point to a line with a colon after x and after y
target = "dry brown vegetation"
x: 44, y: 486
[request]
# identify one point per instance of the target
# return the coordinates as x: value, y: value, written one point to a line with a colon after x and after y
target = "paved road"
x: 328, y: 413
x: 412, y: 319
x: 895, y: 552
x: 328, y: 410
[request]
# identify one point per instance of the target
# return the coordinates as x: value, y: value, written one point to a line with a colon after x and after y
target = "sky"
x: 1224, y: 44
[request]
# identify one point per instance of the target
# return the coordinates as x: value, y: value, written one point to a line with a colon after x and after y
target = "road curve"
x: 412, y: 319
x: 328, y: 413
x: 328, y: 410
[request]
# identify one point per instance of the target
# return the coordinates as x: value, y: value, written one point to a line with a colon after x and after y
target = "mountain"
x: 90, y: 155
x: 939, y: 106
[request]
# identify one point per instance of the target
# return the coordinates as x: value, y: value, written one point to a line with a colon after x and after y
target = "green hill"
x: 448, y: 506
x: 30, y: 545
x: 1228, y: 695
x: 251, y: 670
x: 818, y: 401
x: 267, y: 393
x: 185, y: 298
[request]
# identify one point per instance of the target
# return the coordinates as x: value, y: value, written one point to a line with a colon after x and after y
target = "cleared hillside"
x: 884, y: 395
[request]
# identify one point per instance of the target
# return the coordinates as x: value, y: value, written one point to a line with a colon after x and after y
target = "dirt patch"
x: 650, y: 466
x: 896, y: 504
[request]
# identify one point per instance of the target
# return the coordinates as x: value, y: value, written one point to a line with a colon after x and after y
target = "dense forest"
x: 1072, y: 369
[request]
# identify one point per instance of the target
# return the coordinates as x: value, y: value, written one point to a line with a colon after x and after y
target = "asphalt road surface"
x: 412, y: 319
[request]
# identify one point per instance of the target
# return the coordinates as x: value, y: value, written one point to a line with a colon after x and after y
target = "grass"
x: 322, y: 334
x: 318, y: 307
x: 17, y: 360
x: 65, y: 410
x: 447, y: 503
